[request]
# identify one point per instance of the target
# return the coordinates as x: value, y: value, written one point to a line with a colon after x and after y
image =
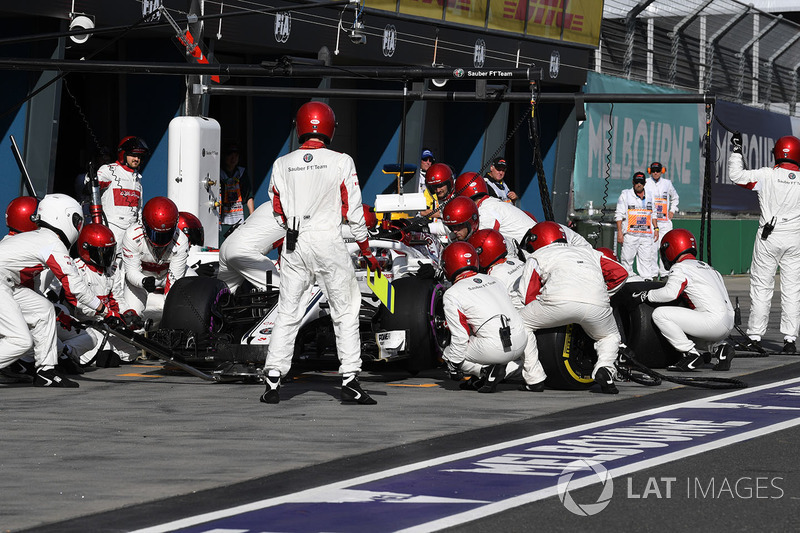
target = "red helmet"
x: 131, y: 145
x: 787, y: 150
x: 160, y: 220
x: 608, y: 252
x: 675, y: 244
x: 471, y: 185
x: 437, y: 175
x: 19, y: 213
x: 369, y: 217
x: 97, y: 245
x: 191, y: 226
x: 459, y: 257
x: 315, y: 119
x: 460, y: 212
x: 541, y: 235
x: 490, y: 245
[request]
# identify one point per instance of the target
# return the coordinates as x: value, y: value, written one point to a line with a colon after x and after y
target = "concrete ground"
x: 135, y: 434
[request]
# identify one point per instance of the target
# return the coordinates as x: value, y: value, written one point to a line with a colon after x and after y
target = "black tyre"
x: 567, y: 355
x: 639, y: 332
x: 415, y: 308
x: 194, y: 304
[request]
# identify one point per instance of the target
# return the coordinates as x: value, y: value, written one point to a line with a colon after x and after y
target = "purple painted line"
x: 427, y: 495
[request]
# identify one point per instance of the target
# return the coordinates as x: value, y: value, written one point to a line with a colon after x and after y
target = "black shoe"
x: 66, y: 365
x: 473, y: 383
x: 606, y: 381
x: 789, y: 347
x: 724, y: 354
x: 49, y: 378
x: 536, y: 387
x: 271, y: 394
x: 492, y: 375
x: 754, y: 346
x: 688, y: 362
x: 352, y: 391
x: 19, y: 372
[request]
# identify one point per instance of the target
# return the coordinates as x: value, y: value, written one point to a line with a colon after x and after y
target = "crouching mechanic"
x: 564, y: 284
x: 710, y: 316
x: 311, y: 189
x: 485, y: 327
x: 492, y: 258
x: 27, y: 319
x: 154, y: 255
x: 243, y: 255
x: 96, y: 264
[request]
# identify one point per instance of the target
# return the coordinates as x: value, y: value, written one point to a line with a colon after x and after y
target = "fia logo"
x: 389, y: 40
x: 283, y: 26
x: 151, y: 8
x: 307, y: 158
x: 555, y: 63
x: 479, y: 56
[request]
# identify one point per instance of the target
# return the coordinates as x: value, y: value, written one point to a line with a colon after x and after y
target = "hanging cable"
x: 607, y: 180
x: 538, y: 164
x: 705, y: 209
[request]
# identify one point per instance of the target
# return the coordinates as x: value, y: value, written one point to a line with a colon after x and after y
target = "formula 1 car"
x: 206, y: 326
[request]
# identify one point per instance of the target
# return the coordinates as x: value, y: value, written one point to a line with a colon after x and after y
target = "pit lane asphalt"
x: 135, y: 447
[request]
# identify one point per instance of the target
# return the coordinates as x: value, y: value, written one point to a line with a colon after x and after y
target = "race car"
x: 207, y: 326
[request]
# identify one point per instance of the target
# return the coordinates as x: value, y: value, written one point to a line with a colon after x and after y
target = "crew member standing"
x: 665, y: 205
x: 311, y: 189
x: 637, y: 230
x: 778, y: 239
x: 121, y: 187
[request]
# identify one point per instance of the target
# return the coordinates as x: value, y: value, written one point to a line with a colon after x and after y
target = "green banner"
x: 617, y: 140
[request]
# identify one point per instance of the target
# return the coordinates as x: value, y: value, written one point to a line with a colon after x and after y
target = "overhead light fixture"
x: 80, y: 21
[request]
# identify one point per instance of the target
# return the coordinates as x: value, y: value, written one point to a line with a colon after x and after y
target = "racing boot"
x: 352, y: 391
x: 273, y: 382
x: 19, y: 372
x: 68, y: 364
x: 472, y: 383
x: 724, y: 353
x: 49, y: 378
x: 688, y: 362
x: 754, y: 345
x: 605, y: 378
x: 536, y: 387
x: 789, y: 347
x: 492, y: 376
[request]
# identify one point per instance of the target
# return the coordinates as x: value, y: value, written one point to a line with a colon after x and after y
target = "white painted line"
x: 329, y: 490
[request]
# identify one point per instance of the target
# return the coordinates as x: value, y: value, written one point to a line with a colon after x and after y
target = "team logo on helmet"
x: 792, y: 175
x: 307, y: 158
x: 477, y: 280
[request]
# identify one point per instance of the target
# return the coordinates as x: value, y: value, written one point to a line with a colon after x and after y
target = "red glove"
x: 366, y: 253
x: 110, y: 316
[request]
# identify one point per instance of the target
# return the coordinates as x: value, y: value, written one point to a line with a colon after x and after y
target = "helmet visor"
x: 196, y: 235
x: 77, y: 221
x: 158, y: 238
x: 102, y: 256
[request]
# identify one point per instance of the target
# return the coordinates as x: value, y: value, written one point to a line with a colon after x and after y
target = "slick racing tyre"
x: 567, y: 356
x: 194, y: 304
x: 417, y: 305
x: 638, y: 330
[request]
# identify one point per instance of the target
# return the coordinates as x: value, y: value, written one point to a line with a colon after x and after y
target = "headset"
x: 663, y: 168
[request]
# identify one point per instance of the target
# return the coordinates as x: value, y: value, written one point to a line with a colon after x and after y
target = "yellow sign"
x: 575, y: 21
